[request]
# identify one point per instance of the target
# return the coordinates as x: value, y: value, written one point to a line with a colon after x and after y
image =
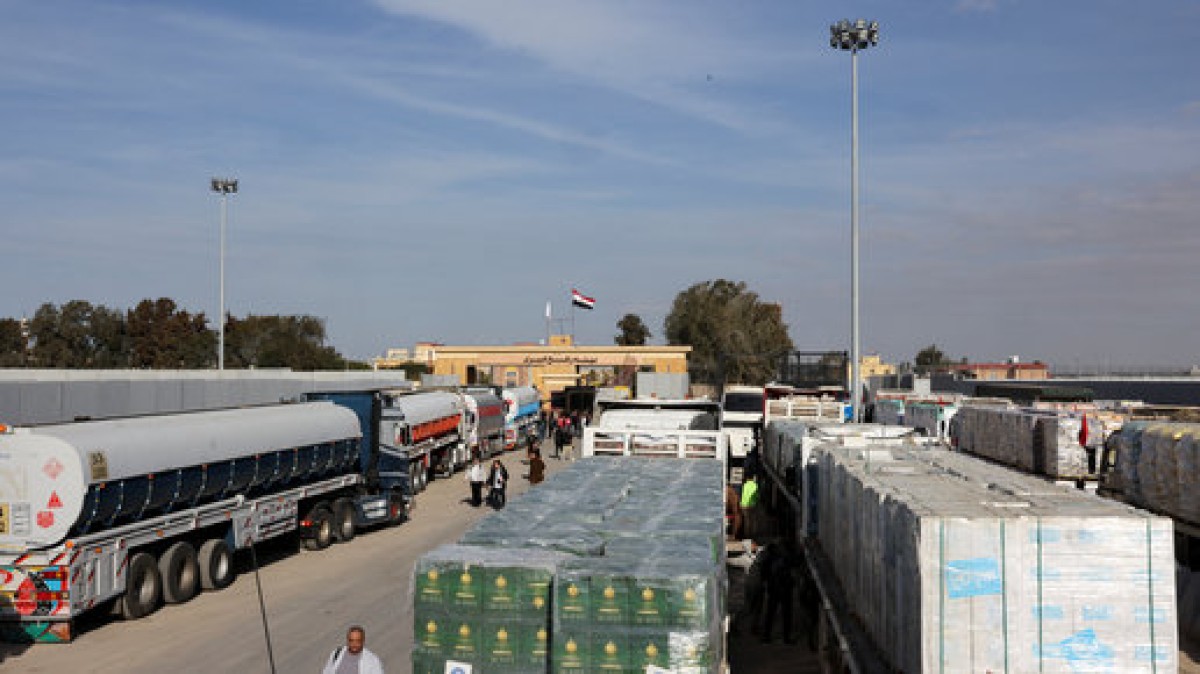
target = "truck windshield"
x: 743, y: 402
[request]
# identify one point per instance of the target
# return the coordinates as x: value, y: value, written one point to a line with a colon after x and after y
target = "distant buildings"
x: 1013, y: 369
x: 550, y: 367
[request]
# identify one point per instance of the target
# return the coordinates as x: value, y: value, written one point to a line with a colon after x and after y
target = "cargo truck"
x: 657, y: 428
x: 741, y: 421
x: 135, y: 512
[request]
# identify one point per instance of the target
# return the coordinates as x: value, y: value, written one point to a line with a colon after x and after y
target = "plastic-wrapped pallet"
x: 1159, y: 465
x: 932, y: 418
x: 612, y: 565
x: 950, y: 571
x: 889, y: 412
x: 622, y: 614
x: 1062, y: 455
x: 1036, y: 441
x: 488, y: 607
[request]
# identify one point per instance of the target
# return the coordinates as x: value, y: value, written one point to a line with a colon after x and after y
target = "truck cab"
x: 741, y: 414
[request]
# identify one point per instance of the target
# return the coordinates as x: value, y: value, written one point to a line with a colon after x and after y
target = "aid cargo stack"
x: 614, y: 564
x: 953, y: 564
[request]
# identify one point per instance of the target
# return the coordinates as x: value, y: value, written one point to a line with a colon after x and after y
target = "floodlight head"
x: 853, y: 35
x: 225, y: 185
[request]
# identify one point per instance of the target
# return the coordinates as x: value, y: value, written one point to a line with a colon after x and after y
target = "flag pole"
x: 548, y: 323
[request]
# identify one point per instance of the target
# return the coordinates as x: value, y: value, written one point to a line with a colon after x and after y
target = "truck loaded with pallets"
x: 657, y: 428
x: 133, y: 512
x: 931, y: 560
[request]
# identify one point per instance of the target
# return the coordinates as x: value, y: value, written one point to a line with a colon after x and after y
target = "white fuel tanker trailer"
x: 143, y: 510
x: 521, y: 406
x: 483, y: 423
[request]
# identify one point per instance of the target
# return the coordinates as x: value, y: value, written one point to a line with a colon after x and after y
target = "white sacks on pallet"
x: 952, y: 571
x: 1034, y: 441
x: 1159, y: 465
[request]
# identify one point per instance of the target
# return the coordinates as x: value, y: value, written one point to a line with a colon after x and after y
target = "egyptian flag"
x: 580, y: 300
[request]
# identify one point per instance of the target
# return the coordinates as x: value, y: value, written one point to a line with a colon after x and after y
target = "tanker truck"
x: 483, y: 423
x: 134, y: 512
x: 521, y: 405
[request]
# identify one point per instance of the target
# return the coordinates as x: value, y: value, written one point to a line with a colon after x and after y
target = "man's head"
x: 356, y: 638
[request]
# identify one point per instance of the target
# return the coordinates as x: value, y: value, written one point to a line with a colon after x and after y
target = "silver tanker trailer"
x: 143, y: 510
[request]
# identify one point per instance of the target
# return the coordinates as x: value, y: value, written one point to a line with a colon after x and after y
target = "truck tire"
x: 143, y: 587
x: 216, y: 565
x: 322, y: 529
x: 344, y: 526
x: 179, y: 572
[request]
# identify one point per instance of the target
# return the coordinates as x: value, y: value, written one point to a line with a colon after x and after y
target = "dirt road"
x: 311, y: 597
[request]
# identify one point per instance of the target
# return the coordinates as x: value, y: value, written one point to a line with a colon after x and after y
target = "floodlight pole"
x: 224, y: 187
x: 852, y: 37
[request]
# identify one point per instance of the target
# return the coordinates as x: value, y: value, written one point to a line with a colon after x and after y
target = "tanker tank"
x: 73, y: 479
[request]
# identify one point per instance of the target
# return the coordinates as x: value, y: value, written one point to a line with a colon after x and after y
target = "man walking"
x: 476, y: 476
x: 353, y: 658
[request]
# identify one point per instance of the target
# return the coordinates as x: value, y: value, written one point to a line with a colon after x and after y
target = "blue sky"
x: 435, y: 170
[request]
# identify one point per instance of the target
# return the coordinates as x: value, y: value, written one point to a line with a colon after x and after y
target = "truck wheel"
x: 143, y: 587
x: 216, y: 565
x: 344, y: 526
x: 179, y: 572
x: 321, y: 536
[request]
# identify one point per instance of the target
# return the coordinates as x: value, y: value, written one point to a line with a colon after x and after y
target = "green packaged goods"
x: 609, y: 599
x: 610, y: 652
x: 572, y: 601
x: 466, y: 587
x: 689, y: 603
x: 648, y: 605
x: 572, y: 652
x: 432, y: 583
x: 649, y: 649
x: 465, y: 640
x: 501, y: 589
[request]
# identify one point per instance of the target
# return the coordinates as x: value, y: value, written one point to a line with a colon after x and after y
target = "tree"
x: 633, y: 331
x: 296, y: 342
x: 735, y: 337
x: 930, y: 359
x: 13, y: 344
x: 78, y: 335
x: 162, y: 336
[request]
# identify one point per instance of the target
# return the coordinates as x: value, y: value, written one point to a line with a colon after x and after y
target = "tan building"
x: 555, y: 366
x: 998, y: 371
x: 872, y: 365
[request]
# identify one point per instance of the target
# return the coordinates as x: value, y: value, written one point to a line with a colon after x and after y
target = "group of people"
x: 495, y: 478
x: 771, y: 582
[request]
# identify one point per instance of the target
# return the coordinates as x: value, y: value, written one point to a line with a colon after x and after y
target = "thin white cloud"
x: 675, y: 56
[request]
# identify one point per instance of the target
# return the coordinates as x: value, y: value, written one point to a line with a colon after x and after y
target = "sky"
x: 438, y: 170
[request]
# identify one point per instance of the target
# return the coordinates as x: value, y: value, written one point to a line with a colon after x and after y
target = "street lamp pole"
x: 853, y: 36
x: 224, y: 187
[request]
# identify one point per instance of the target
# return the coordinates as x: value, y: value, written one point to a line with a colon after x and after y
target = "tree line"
x: 737, y: 337
x: 158, y: 334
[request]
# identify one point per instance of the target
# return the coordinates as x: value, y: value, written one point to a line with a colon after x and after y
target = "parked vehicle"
x: 521, y: 405
x: 145, y: 510
x: 657, y: 428
x: 741, y: 419
x: 483, y: 424
x: 419, y: 430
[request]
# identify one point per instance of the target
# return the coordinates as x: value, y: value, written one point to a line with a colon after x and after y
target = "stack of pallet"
x: 957, y: 565
x: 614, y: 564
x: 1036, y: 441
x: 1159, y: 466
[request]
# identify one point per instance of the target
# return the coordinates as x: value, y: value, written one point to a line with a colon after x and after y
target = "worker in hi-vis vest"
x: 750, y: 506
